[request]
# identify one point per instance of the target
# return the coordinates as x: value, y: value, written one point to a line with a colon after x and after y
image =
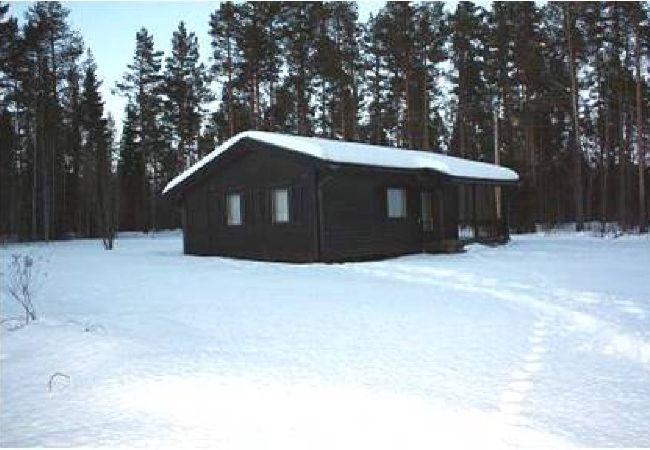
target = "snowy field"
x: 542, y: 343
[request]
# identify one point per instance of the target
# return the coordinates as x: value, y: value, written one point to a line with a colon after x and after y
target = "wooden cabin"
x: 279, y: 197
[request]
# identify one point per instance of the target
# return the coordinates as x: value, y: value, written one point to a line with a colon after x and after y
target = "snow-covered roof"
x: 360, y: 154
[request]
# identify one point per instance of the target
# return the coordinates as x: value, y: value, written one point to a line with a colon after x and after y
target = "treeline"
x: 558, y: 92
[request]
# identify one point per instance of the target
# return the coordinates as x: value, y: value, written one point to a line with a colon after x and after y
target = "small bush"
x: 22, y: 280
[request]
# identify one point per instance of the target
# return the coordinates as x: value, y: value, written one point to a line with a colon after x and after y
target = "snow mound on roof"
x: 362, y: 154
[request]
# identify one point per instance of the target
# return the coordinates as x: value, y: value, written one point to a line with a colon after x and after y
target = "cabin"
x: 278, y: 197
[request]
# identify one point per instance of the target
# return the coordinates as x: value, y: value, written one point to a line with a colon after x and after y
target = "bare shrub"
x: 23, y: 279
x: 58, y: 379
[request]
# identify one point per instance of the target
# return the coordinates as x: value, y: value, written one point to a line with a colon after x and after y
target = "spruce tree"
x: 131, y: 170
x: 141, y: 85
x: 186, y: 92
x: 97, y: 150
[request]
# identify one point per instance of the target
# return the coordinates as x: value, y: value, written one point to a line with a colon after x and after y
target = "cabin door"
x: 430, y: 214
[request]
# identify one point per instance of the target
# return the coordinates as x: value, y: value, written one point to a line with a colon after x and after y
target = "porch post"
x: 505, y: 221
x: 474, y: 223
x: 497, y: 161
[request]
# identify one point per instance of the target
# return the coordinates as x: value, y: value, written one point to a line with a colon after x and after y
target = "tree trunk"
x: 639, y: 134
x: 409, y: 109
x: 425, y: 109
x: 398, y: 110
x: 604, y: 111
x: 302, y: 106
x: 577, y: 153
x: 377, y: 107
x: 353, y: 107
x: 271, y: 106
x: 145, y: 188
x: 231, y: 119
x: 35, y: 170
x: 254, y: 97
x: 323, y: 108
x: 622, y: 176
x: 344, y: 100
x: 497, y: 189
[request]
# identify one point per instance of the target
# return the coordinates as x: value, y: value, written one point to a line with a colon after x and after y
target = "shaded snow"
x: 363, y: 154
x: 544, y: 342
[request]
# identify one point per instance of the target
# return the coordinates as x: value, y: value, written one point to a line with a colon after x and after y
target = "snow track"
x: 513, y: 397
x: 541, y: 343
x: 606, y: 335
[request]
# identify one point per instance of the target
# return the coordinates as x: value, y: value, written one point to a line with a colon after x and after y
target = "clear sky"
x: 109, y: 28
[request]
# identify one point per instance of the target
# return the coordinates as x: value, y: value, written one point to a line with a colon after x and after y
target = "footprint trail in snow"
x: 513, y: 398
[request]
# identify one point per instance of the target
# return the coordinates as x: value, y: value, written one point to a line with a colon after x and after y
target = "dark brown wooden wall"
x: 253, y: 171
x: 354, y: 222
x: 450, y: 205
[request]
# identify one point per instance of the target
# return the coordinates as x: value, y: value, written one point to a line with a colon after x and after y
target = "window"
x: 426, y: 200
x: 396, y: 200
x: 280, y: 205
x: 233, y: 209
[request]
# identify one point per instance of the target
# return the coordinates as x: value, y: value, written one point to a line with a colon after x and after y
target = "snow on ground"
x: 544, y: 342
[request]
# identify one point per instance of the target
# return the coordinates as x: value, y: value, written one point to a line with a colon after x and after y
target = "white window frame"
x: 232, y: 218
x: 281, y: 215
x: 396, y: 210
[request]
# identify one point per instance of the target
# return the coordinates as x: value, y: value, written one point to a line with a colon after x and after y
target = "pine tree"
x: 131, y: 170
x: 282, y: 114
x: 211, y: 134
x: 299, y: 30
x: 597, y: 31
x: 10, y: 174
x: 52, y: 48
x: 375, y: 67
x: 252, y: 42
x: 75, y: 191
x: 473, y: 110
x: 97, y: 150
x: 559, y: 91
x: 225, y: 54
x: 430, y: 36
x: 325, y: 65
x: 639, y: 21
x: 141, y: 85
x: 346, y: 36
x: 270, y: 62
x: 569, y: 13
x: 186, y: 91
x: 517, y: 80
x: 400, y: 49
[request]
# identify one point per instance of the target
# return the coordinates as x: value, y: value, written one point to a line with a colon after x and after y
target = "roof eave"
x: 488, y: 181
